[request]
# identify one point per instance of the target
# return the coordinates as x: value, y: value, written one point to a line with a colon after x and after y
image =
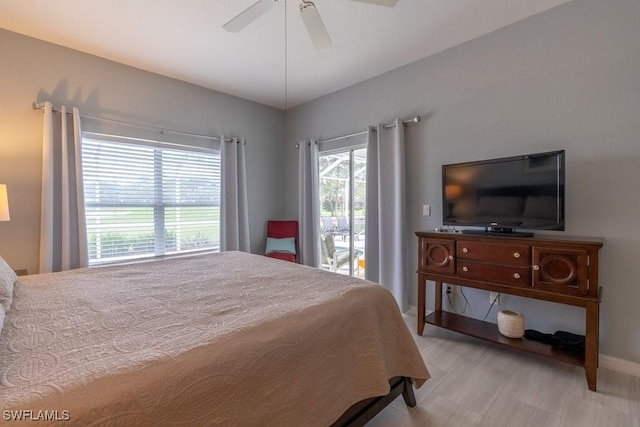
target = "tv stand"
x: 548, y: 268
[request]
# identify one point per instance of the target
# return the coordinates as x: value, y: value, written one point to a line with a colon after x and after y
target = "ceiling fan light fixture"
x: 315, y: 27
x: 308, y: 11
x: 249, y: 15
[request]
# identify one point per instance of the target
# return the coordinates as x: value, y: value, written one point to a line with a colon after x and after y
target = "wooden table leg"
x: 422, y: 283
x: 591, y: 344
x: 437, y: 304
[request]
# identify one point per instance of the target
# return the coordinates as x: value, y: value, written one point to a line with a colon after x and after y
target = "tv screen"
x: 522, y: 192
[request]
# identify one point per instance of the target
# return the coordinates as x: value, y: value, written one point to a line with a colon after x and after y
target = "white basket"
x: 511, y: 323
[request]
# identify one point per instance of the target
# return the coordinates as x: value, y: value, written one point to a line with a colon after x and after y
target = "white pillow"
x: 7, y: 280
x: 286, y: 245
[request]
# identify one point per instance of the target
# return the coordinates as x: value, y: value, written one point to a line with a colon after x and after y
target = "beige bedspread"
x: 221, y: 339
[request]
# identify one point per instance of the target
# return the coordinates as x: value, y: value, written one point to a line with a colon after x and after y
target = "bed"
x: 220, y: 339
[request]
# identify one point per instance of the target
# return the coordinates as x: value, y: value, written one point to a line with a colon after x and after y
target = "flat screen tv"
x: 507, y: 194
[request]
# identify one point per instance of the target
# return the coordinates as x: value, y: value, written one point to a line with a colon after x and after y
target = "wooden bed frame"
x: 363, y: 411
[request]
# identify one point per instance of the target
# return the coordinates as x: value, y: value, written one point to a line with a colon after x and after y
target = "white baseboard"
x: 608, y: 362
x: 620, y: 365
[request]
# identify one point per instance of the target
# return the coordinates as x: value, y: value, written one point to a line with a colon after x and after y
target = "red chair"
x: 282, y: 230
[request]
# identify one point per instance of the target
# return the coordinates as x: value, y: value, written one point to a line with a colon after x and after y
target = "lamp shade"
x: 4, y: 203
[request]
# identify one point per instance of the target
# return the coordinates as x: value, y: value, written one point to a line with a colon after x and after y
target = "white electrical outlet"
x: 494, y: 296
x: 426, y: 210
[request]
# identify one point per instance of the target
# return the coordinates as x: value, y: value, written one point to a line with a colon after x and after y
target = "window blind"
x: 145, y: 199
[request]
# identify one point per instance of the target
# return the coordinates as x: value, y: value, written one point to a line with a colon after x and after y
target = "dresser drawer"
x: 505, y: 274
x: 519, y: 255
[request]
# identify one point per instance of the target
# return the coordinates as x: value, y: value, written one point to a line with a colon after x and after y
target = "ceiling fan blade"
x: 387, y: 3
x: 315, y: 27
x: 249, y: 15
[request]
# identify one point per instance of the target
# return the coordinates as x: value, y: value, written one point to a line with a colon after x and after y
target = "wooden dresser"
x: 558, y: 269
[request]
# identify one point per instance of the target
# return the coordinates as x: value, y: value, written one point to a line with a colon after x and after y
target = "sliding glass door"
x: 342, y: 210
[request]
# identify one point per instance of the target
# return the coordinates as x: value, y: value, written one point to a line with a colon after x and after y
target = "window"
x: 147, y: 199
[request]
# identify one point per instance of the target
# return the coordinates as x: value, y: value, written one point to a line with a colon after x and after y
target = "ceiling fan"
x: 308, y: 11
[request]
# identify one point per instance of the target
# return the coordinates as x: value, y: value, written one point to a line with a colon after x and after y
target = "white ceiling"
x: 184, y: 39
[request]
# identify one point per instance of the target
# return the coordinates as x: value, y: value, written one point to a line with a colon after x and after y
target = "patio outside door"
x: 342, y: 210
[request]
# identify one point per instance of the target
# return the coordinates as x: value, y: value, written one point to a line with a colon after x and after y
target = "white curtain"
x: 234, y: 210
x: 63, y: 235
x: 386, y: 238
x: 308, y: 200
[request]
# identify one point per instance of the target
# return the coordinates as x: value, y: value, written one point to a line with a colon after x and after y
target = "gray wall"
x: 564, y: 79
x: 32, y: 70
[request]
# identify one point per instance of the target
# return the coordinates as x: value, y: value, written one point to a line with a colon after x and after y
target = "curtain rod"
x: 415, y: 119
x: 40, y: 106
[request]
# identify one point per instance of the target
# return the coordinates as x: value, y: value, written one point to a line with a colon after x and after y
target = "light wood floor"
x: 474, y: 383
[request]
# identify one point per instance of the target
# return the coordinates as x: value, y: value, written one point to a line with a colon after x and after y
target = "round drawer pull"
x: 451, y: 257
x: 465, y: 268
x: 465, y: 250
x: 536, y: 267
x: 516, y: 275
x: 516, y: 254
